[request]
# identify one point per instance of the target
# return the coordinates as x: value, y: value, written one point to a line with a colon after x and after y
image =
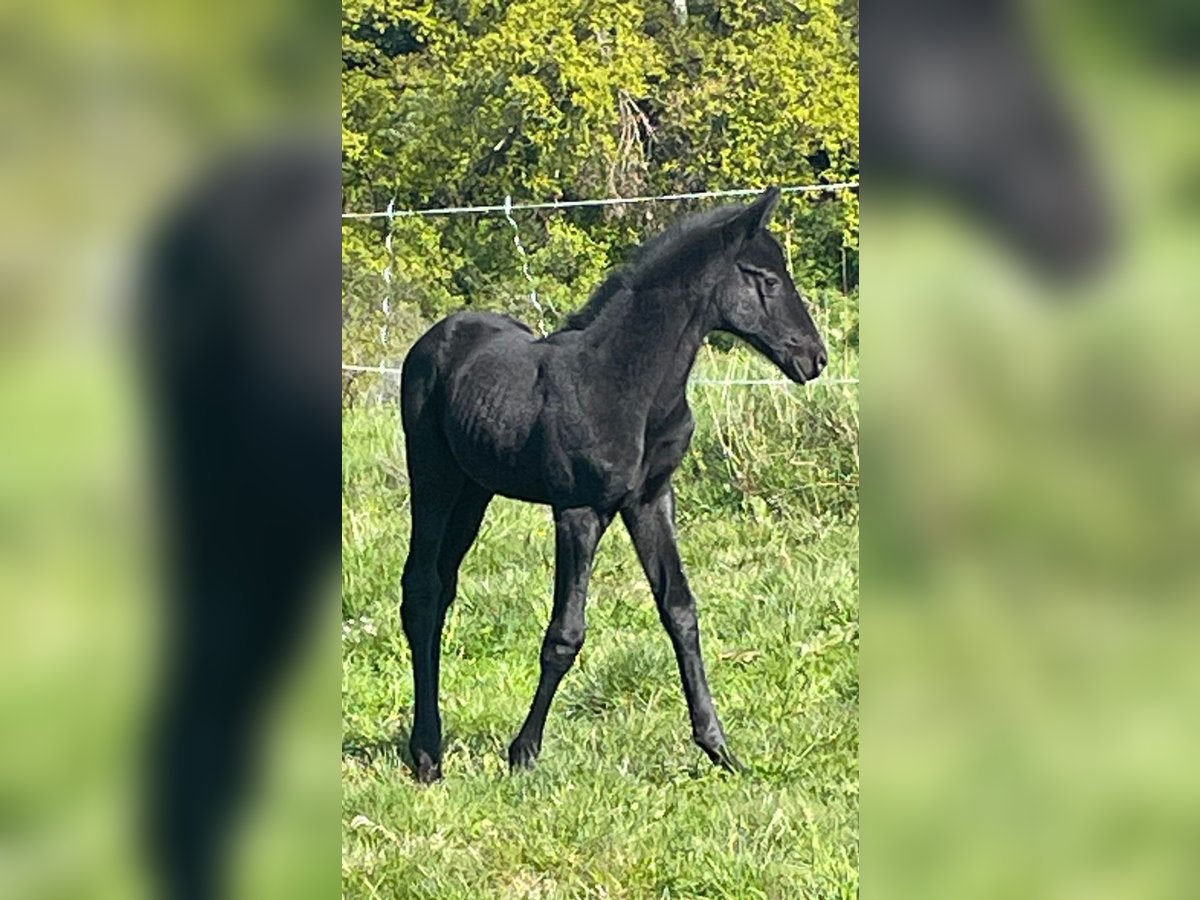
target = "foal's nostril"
x: 822, y: 360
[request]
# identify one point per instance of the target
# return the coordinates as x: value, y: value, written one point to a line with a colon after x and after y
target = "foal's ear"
x: 753, y: 218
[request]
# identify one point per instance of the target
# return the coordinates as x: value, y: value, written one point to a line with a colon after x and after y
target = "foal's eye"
x: 770, y: 281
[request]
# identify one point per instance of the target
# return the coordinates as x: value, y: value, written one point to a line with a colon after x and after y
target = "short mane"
x: 656, y: 257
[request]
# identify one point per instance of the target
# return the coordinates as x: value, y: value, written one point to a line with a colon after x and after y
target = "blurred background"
x: 1031, y: 489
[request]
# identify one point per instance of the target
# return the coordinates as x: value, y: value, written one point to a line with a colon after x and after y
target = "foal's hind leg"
x: 460, y: 534
x: 434, y: 495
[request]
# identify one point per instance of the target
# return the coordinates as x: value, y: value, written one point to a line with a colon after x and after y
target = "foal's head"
x: 757, y: 300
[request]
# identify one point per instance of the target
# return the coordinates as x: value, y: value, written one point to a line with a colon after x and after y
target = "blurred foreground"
x: 114, y: 117
x: 1031, y: 497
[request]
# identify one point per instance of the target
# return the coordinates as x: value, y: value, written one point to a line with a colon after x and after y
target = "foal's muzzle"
x: 804, y: 363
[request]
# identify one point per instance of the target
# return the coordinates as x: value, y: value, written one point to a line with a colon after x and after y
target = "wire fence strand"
x: 506, y: 208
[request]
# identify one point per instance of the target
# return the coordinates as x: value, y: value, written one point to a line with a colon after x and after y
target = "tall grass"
x: 765, y: 448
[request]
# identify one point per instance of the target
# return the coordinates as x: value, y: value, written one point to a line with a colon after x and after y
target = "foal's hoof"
x: 522, y: 755
x: 426, y: 770
x: 724, y: 758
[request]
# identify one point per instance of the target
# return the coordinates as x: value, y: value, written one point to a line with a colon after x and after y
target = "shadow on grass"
x: 393, y: 751
x: 369, y: 751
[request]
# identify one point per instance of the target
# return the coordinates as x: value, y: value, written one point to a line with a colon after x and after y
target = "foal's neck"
x: 648, y: 339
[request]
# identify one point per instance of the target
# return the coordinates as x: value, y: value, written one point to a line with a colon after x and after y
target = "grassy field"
x: 621, y: 804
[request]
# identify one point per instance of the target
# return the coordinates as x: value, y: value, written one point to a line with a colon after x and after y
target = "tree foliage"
x: 462, y: 102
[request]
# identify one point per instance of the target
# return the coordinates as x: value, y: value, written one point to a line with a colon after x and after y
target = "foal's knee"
x: 677, y: 612
x: 561, y: 647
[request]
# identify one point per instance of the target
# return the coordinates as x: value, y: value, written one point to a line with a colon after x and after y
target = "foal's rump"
x: 441, y: 352
x: 470, y: 388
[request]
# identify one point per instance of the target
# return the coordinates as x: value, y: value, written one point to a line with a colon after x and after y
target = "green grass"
x: 622, y: 804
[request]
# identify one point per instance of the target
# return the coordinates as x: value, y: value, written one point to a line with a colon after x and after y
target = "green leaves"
x: 462, y: 102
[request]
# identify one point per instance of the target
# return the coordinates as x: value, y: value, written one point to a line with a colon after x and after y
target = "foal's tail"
x: 420, y: 381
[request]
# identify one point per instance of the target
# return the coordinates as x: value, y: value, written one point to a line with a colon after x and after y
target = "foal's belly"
x: 541, y: 471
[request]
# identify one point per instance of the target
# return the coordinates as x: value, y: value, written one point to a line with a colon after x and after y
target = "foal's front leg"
x: 652, y: 527
x: 577, y: 534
